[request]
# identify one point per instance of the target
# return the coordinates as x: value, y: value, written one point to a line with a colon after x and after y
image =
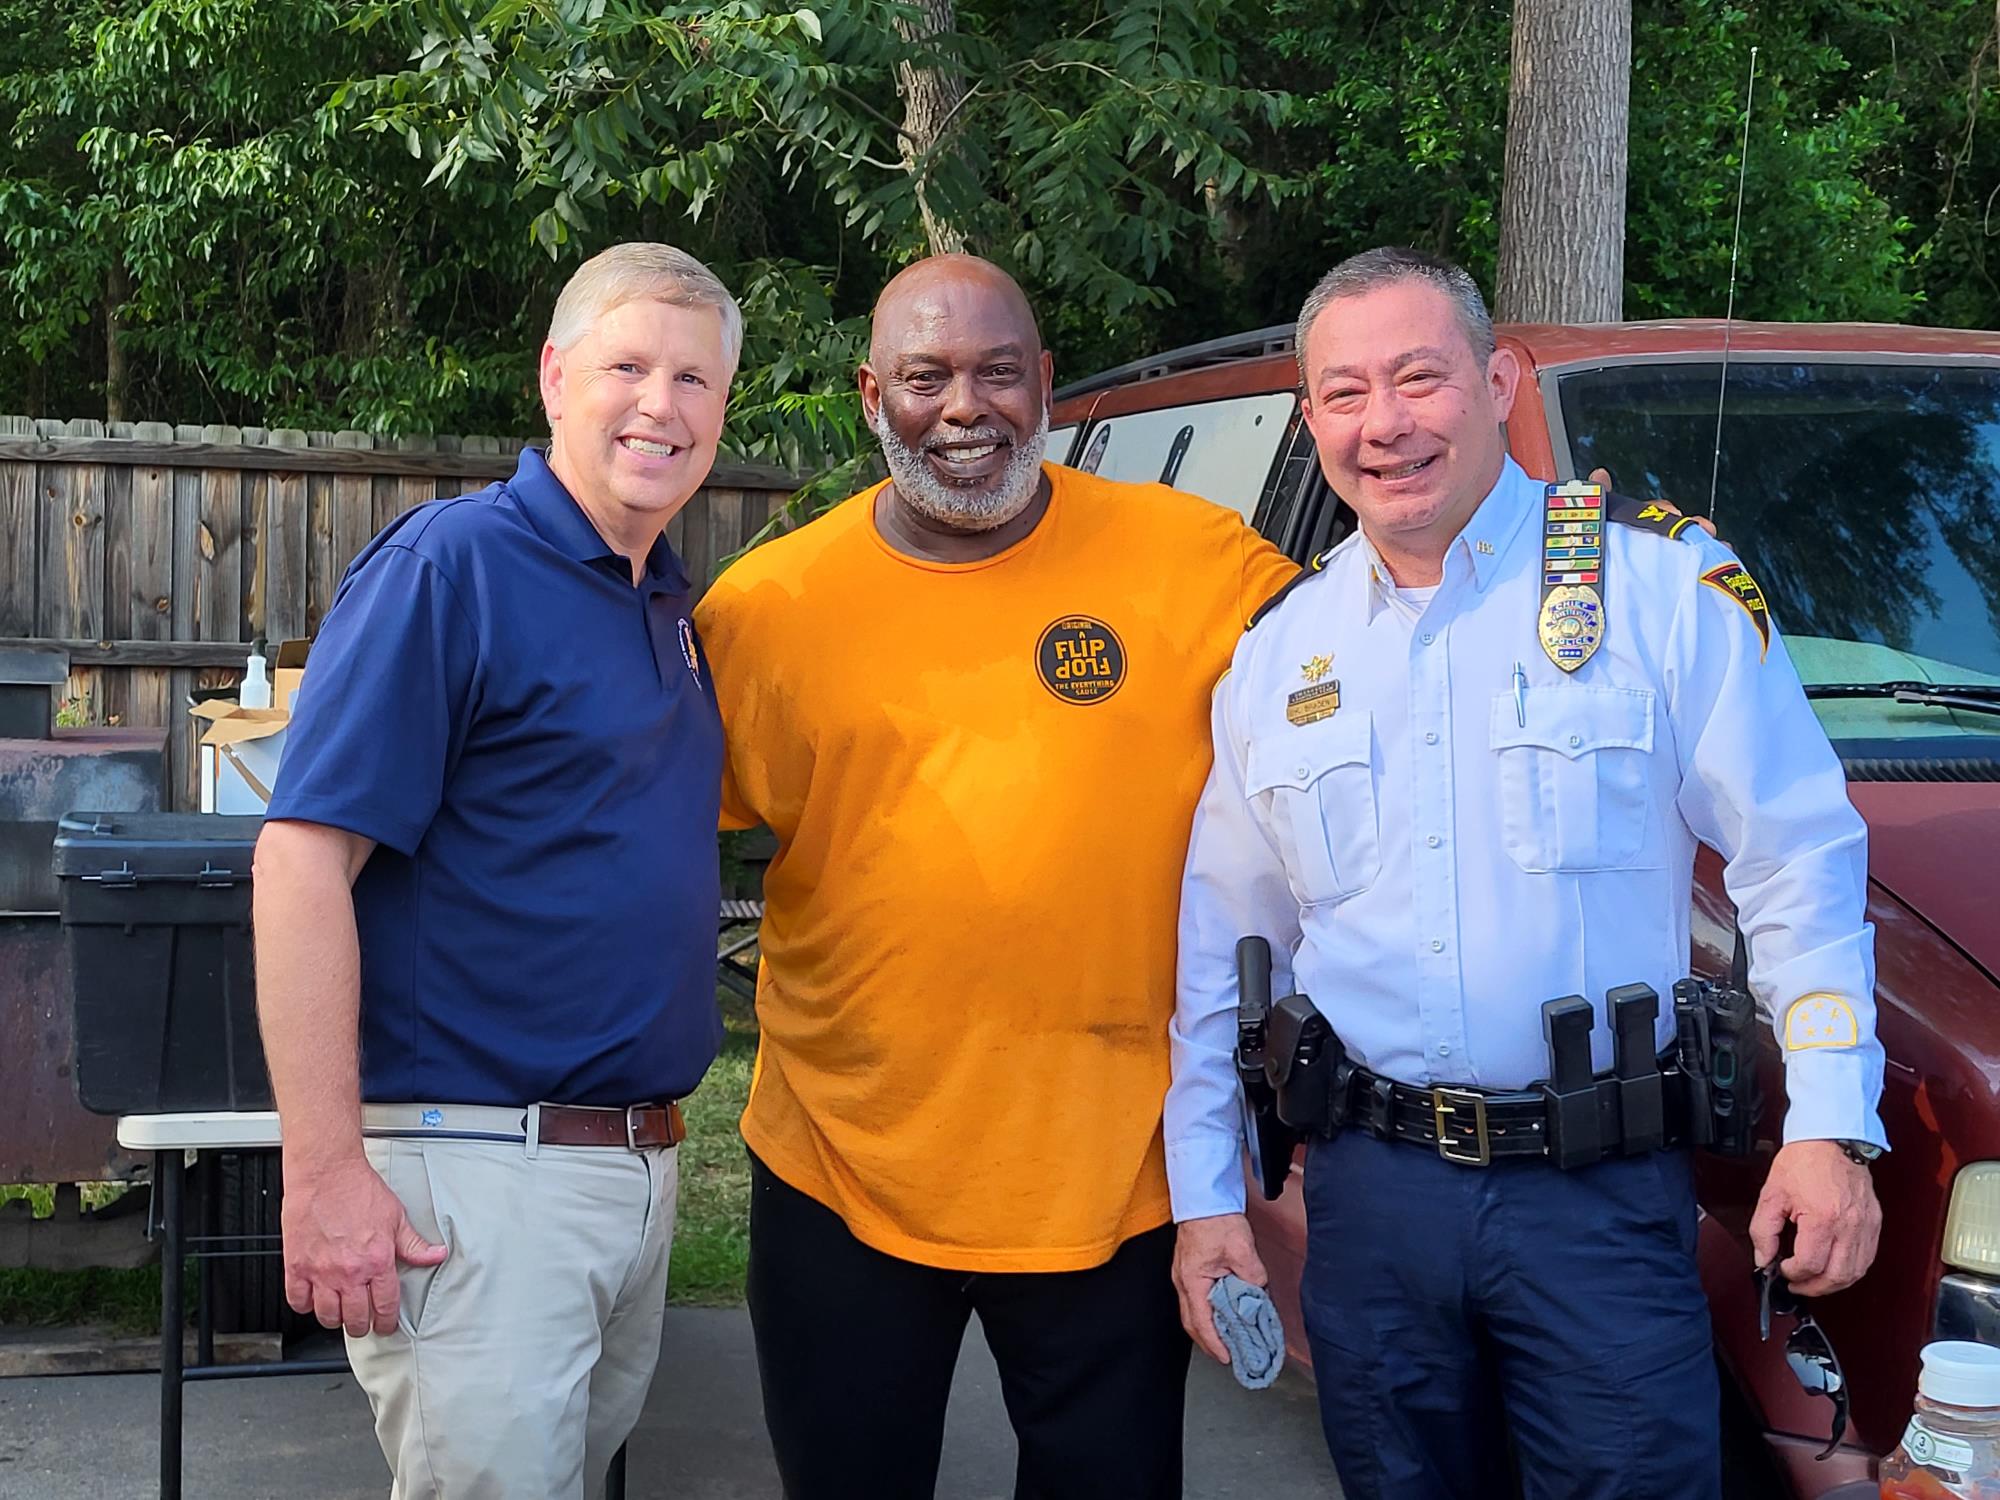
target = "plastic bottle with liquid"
x: 1951, y: 1449
x: 256, y: 689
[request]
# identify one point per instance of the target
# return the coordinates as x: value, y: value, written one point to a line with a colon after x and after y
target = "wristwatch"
x: 1861, y: 1153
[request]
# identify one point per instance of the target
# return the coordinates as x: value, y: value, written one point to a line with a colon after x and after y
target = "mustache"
x: 968, y: 435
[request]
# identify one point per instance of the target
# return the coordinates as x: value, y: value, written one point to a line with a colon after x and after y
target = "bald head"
x: 949, y: 288
x: 957, y: 388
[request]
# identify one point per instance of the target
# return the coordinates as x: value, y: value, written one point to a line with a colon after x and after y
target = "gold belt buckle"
x: 1445, y: 1105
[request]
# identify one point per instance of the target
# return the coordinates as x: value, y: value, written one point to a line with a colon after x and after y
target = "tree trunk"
x: 1230, y: 228
x: 117, y: 288
x: 1562, y: 209
x: 931, y: 97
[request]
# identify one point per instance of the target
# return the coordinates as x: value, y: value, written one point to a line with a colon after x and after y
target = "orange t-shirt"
x: 981, y: 778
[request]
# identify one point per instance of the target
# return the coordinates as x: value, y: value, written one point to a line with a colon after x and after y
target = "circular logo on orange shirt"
x: 1080, y: 659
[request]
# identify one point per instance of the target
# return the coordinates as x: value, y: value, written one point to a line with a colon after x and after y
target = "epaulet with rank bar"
x: 1311, y: 570
x: 1646, y: 515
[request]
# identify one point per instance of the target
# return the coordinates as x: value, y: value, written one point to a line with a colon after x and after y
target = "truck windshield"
x: 1865, y: 498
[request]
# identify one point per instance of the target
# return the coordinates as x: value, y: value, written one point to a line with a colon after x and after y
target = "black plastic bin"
x: 156, y: 913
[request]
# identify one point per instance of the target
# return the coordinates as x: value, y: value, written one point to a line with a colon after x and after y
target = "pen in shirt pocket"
x: 1520, y: 696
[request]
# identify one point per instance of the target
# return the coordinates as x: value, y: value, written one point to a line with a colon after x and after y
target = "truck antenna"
x: 1729, y: 314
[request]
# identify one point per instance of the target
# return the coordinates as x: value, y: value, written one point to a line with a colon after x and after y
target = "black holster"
x: 1308, y: 1068
x: 1275, y: 1140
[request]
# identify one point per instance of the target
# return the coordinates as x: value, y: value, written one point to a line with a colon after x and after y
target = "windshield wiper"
x: 1974, y: 696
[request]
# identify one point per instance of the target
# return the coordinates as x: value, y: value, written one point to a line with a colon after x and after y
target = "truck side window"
x: 1226, y: 448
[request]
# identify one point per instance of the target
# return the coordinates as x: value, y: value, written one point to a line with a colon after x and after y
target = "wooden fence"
x: 156, y: 554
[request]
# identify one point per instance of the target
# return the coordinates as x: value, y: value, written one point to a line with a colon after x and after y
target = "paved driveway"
x: 702, y: 1437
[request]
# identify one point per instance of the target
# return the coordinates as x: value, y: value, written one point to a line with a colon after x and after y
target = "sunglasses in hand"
x: 1807, y: 1349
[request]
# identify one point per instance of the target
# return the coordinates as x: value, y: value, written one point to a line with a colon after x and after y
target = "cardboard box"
x: 288, y: 669
x: 242, y: 747
x: 240, y: 751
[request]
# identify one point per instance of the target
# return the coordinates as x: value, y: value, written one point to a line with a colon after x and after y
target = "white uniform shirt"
x: 1429, y: 868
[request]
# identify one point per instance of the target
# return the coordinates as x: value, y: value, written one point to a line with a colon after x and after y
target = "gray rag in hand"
x: 1247, y: 1322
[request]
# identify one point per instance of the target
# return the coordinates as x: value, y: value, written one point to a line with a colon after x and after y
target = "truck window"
x: 1220, y: 450
x: 1865, y: 498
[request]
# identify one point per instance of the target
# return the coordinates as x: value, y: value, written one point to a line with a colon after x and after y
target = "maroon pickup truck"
x: 1859, y: 477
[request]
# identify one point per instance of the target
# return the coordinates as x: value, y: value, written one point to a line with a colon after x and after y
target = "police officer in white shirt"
x: 1532, y: 723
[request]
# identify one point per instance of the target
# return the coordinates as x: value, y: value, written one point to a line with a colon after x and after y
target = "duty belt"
x: 1475, y: 1127
x: 1299, y: 1081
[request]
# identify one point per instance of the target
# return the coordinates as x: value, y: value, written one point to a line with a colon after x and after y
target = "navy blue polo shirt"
x: 532, y: 741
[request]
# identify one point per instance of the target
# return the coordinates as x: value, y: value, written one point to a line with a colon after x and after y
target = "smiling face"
x: 1406, y: 414
x: 957, y: 388
x: 636, y: 409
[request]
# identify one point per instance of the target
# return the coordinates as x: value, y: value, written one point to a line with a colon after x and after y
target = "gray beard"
x: 964, y: 509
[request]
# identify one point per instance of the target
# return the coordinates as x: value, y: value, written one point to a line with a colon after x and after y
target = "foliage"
x: 1417, y: 130
x: 175, y: 162
x: 1819, y: 241
x: 1406, y: 134
x: 1088, y: 149
x: 327, y: 213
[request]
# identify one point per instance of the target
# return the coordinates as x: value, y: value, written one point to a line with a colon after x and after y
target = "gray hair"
x: 1373, y: 269
x: 627, y: 272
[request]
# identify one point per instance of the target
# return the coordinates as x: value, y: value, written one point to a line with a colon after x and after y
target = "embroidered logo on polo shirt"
x: 1080, y: 659
x: 687, y: 650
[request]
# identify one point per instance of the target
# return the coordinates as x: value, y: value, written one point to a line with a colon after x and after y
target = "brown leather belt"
x: 635, y: 1128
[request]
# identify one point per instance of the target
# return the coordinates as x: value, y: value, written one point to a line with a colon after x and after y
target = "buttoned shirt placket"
x: 1417, y: 793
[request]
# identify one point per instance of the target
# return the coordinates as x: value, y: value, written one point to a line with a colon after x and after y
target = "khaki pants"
x: 520, y: 1364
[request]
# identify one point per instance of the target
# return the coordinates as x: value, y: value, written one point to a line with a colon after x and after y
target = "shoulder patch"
x: 1311, y: 570
x: 1733, y: 580
x: 1646, y: 515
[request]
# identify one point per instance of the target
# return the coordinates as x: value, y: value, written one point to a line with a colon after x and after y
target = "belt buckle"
x: 1445, y: 1104
x: 631, y: 1128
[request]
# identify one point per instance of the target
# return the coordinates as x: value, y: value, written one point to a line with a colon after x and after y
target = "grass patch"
x: 712, y: 1231
x: 128, y: 1300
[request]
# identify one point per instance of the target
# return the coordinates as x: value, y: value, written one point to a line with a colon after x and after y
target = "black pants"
x: 856, y: 1351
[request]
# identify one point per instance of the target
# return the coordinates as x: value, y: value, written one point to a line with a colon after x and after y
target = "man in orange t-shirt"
x: 972, y: 705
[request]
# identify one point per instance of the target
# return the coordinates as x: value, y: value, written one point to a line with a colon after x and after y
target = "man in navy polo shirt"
x: 485, y: 906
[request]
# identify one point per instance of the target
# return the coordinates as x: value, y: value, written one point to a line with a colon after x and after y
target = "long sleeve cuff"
x: 1205, y: 1175
x: 1832, y: 1094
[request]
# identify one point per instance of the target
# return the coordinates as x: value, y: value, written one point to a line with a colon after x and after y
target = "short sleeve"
x: 1265, y: 570
x: 718, y: 619
x: 381, y: 714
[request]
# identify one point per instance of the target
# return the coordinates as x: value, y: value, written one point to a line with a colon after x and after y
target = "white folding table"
x: 172, y: 1139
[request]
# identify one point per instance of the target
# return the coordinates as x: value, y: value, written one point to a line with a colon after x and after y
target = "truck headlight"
x: 1972, y: 1227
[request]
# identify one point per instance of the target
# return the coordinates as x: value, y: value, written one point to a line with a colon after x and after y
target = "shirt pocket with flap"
x: 1321, y: 782
x: 1574, y: 779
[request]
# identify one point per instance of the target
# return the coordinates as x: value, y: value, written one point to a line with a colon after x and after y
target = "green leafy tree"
x: 1404, y: 106
x: 309, y: 212
x: 1085, y: 148
x: 177, y: 193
